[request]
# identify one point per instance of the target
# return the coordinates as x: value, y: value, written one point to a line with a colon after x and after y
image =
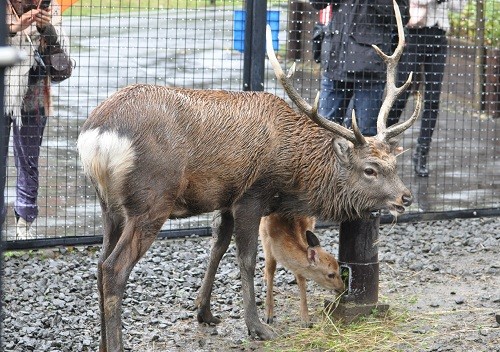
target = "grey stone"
x: 459, y: 300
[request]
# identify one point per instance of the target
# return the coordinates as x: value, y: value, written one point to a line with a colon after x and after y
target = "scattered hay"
x: 393, y: 330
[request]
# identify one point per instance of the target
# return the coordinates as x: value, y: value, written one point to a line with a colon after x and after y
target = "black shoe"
x: 420, y: 160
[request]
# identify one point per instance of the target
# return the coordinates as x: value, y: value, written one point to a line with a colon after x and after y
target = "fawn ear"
x: 313, y: 242
x: 312, y: 256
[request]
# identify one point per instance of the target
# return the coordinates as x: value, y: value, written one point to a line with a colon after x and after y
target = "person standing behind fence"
x: 425, y: 53
x: 352, y: 72
x: 27, y: 101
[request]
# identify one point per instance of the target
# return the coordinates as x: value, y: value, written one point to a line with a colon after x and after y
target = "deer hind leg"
x: 246, y: 238
x: 138, y: 234
x: 304, y: 313
x: 269, y: 270
x: 222, y: 231
x: 113, y: 226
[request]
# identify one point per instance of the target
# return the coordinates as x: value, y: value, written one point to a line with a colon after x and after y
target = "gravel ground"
x: 445, y: 274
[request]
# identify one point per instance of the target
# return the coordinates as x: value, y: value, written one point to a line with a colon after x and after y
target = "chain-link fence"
x: 200, y: 44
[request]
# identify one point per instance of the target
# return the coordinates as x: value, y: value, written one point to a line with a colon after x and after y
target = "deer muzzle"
x: 407, y: 200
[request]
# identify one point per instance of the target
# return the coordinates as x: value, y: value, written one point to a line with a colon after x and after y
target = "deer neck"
x: 318, y: 176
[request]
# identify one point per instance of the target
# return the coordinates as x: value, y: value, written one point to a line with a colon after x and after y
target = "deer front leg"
x: 222, y: 231
x: 246, y: 239
x: 304, y: 313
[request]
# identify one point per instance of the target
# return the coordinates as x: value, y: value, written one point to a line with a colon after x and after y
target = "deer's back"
x: 284, y: 237
x: 204, y: 147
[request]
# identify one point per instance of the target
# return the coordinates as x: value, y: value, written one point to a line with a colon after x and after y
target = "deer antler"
x: 310, y: 111
x: 392, y: 92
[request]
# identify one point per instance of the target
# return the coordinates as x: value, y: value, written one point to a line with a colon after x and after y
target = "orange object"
x: 66, y: 4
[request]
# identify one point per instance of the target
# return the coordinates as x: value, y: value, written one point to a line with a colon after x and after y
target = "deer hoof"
x: 270, y: 320
x: 207, y: 318
x: 306, y: 325
x: 262, y: 332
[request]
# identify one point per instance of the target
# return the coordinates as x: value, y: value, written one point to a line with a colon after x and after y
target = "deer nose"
x: 407, y: 200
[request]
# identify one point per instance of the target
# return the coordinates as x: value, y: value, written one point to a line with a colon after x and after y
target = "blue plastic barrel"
x: 273, y: 19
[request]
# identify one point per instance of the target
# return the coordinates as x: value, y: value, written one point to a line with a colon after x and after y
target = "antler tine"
x: 310, y: 111
x: 357, y: 132
x: 399, y: 128
x: 392, y: 92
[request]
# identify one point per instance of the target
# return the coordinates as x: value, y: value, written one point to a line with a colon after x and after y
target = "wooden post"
x: 358, y: 259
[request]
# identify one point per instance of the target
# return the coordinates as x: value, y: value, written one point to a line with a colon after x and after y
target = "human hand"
x: 24, y: 21
x: 44, y: 17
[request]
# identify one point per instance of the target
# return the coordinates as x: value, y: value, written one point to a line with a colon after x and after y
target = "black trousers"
x: 425, y: 52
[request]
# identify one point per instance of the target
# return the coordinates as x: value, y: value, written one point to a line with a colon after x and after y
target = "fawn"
x: 290, y: 241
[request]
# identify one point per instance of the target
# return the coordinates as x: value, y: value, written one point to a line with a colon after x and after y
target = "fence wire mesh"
x: 199, y: 44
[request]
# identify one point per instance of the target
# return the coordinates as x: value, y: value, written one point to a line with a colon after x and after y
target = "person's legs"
x: 434, y: 62
x: 334, y: 99
x: 410, y: 61
x: 367, y: 103
x: 5, y: 147
x: 27, y: 139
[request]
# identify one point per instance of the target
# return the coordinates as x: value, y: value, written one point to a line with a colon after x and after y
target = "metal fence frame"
x: 253, y: 78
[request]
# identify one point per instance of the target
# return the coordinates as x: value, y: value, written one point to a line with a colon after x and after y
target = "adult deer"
x: 155, y: 153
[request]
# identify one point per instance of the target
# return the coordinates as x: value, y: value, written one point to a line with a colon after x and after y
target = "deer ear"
x: 312, y: 256
x: 313, y: 243
x: 394, y: 146
x: 312, y: 240
x: 342, y: 148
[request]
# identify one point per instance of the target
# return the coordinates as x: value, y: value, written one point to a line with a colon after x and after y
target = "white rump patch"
x: 106, y: 158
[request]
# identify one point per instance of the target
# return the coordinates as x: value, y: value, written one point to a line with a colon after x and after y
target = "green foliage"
x: 103, y: 7
x: 122, y: 7
x: 463, y: 25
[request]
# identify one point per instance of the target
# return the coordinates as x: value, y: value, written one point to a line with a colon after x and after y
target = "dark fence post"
x: 255, y: 39
x: 3, y: 35
x: 358, y: 259
x: 4, y: 62
x: 295, y: 28
x: 8, y: 56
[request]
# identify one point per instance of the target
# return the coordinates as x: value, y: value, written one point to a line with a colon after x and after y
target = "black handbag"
x: 58, y: 65
x: 317, y: 40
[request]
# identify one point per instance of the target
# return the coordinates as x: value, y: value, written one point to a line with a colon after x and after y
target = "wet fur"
x: 155, y: 153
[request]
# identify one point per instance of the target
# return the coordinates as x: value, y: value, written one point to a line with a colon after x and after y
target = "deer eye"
x: 331, y: 276
x: 370, y: 172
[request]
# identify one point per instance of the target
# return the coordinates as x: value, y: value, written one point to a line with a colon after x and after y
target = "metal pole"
x: 255, y: 38
x: 8, y: 57
x: 295, y: 27
x: 3, y: 35
x: 358, y: 259
x: 479, y: 60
